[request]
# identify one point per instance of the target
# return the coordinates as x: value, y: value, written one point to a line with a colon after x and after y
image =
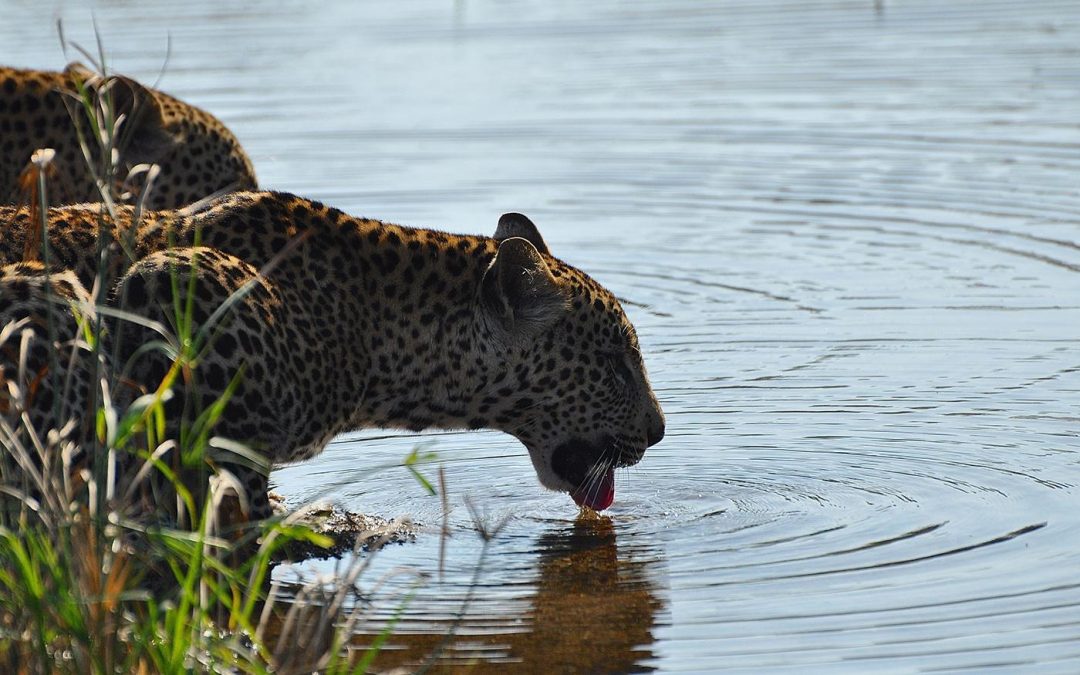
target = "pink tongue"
x: 597, y: 494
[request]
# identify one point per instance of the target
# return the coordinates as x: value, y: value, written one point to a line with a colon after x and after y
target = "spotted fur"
x: 46, y: 380
x: 346, y: 323
x: 197, y: 155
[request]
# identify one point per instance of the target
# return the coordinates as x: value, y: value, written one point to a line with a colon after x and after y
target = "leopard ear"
x: 143, y: 136
x: 517, y: 225
x: 519, y: 291
x: 76, y: 70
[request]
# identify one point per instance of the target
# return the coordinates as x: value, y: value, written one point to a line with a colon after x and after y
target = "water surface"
x: 849, y: 238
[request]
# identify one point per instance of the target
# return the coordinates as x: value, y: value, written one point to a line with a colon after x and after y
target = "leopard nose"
x: 655, y: 433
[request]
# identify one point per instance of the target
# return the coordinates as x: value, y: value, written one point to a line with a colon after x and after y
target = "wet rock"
x: 349, y: 531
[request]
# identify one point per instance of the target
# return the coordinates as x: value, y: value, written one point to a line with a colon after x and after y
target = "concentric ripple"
x: 849, y: 236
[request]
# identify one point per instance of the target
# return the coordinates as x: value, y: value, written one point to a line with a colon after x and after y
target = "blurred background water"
x: 849, y: 235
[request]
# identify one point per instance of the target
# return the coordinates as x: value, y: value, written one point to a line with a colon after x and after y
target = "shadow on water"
x: 594, y: 609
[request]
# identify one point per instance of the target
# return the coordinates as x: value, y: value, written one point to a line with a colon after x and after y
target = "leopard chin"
x: 589, y: 468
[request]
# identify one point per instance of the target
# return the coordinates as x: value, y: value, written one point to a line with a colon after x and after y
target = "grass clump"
x: 92, y: 578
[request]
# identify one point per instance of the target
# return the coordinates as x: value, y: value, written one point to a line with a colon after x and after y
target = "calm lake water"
x: 849, y: 237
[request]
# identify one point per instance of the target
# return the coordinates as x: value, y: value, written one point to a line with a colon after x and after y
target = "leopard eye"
x: 621, y: 371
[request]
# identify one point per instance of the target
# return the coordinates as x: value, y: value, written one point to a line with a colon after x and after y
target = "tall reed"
x: 88, y: 582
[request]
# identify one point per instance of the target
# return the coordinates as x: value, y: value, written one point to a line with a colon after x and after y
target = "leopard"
x: 335, y: 323
x: 37, y: 305
x: 47, y: 377
x: 196, y: 155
